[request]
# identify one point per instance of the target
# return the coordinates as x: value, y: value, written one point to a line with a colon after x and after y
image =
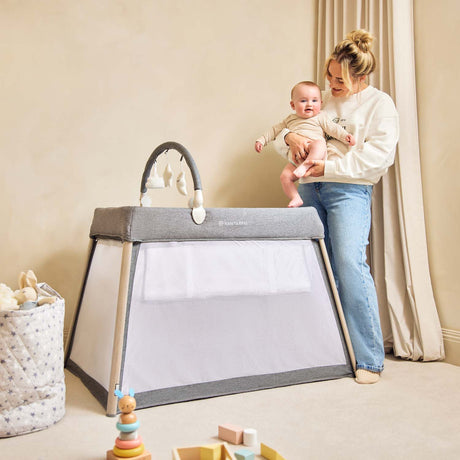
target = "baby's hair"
x: 305, y: 83
x: 354, y: 55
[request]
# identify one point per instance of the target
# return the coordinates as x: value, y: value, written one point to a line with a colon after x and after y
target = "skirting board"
x: 452, y: 346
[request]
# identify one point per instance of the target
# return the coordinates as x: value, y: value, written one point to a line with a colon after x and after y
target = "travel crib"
x: 182, y: 304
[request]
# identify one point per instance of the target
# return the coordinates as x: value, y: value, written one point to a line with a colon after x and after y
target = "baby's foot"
x: 295, y: 202
x: 300, y: 171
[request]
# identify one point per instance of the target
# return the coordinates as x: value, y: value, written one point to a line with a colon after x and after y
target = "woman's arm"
x: 297, y: 144
x: 376, y: 133
x: 290, y: 141
x: 371, y: 159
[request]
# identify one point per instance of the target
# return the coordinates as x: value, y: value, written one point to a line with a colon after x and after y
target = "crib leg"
x: 119, y: 327
x: 338, y: 304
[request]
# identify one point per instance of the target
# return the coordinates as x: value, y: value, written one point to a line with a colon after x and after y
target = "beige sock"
x: 365, y: 376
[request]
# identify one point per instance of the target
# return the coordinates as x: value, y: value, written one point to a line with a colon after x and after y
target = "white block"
x: 250, y: 437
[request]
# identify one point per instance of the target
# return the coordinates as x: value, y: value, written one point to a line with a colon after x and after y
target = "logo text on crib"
x: 232, y: 223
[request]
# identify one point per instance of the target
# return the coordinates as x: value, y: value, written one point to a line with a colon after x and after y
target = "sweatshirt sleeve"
x: 280, y: 144
x: 333, y: 129
x: 372, y: 158
x: 271, y: 134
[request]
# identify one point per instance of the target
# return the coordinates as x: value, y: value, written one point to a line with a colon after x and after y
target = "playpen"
x: 183, y: 304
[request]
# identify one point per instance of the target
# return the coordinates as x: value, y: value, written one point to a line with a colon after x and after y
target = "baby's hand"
x: 259, y: 146
x: 351, y: 139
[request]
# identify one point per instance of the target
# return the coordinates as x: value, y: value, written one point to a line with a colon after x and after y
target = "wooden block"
x: 245, y: 454
x: 225, y: 453
x: 187, y: 453
x: 193, y: 453
x: 146, y: 455
x: 269, y: 453
x: 249, y: 437
x: 212, y: 452
x: 231, y: 433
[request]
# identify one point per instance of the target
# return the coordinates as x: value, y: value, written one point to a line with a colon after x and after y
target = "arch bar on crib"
x: 198, y: 211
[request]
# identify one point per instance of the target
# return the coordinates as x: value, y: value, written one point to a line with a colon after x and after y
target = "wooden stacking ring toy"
x: 127, y: 427
x: 128, y: 444
x: 128, y: 453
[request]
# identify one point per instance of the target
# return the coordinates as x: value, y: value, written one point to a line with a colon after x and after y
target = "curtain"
x: 398, y: 250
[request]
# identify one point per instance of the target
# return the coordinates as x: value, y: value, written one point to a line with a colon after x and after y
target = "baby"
x: 310, y: 122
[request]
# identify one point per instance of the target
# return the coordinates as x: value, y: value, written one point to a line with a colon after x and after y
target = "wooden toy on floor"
x: 249, y: 437
x: 269, y: 453
x: 245, y: 454
x: 212, y: 452
x: 231, y: 433
x: 197, y: 452
x: 129, y: 443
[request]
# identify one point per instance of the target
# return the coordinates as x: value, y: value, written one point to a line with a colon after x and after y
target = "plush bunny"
x: 26, y: 294
x: 28, y: 287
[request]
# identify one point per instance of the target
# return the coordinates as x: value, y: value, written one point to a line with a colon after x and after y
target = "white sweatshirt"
x: 371, y: 117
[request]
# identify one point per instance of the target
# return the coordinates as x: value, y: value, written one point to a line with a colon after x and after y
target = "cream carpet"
x: 412, y: 413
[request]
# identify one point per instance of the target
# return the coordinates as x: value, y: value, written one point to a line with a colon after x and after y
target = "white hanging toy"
x: 180, y: 182
x: 146, y: 201
x: 155, y: 181
x: 168, y: 176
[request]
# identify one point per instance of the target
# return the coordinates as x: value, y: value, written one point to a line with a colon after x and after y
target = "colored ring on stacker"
x: 121, y: 444
x: 127, y: 427
x: 128, y: 453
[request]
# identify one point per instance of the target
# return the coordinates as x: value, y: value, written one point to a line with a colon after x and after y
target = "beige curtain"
x: 398, y: 252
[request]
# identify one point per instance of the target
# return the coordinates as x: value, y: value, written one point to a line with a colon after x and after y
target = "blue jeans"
x: 345, y: 211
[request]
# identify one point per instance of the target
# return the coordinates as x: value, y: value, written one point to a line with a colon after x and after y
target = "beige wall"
x: 437, y: 67
x: 89, y: 89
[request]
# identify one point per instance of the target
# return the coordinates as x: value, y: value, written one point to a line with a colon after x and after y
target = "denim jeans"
x: 345, y: 211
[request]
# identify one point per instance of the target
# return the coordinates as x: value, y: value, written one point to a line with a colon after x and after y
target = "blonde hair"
x: 354, y: 55
x: 305, y: 83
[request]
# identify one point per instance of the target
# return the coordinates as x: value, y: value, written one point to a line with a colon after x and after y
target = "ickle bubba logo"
x: 232, y: 223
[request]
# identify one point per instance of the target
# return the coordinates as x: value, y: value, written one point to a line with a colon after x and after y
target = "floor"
x: 412, y: 413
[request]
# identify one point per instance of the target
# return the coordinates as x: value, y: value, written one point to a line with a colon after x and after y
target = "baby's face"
x: 306, y: 101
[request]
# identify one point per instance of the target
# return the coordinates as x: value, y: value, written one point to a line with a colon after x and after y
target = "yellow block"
x: 269, y: 453
x: 212, y: 452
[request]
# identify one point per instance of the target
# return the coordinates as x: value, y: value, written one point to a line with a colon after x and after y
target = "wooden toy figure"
x: 129, y: 443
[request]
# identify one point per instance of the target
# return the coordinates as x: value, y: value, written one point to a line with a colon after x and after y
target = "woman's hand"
x: 317, y: 168
x: 298, y: 145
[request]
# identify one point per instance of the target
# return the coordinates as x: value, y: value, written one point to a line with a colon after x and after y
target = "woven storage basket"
x: 32, y: 386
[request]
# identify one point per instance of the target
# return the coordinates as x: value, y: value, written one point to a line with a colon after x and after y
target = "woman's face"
x: 336, y: 83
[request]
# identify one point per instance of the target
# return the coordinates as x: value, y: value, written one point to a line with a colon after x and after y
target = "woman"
x: 340, y: 188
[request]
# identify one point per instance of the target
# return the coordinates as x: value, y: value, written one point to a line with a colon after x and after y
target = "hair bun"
x: 362, y: 39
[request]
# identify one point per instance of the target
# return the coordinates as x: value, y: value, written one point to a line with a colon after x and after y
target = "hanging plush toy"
x: 155, y: 181
x: 168, y: 176
x: 180, y: 182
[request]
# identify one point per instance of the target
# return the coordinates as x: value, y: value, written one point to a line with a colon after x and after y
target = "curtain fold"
x: 398, y: 248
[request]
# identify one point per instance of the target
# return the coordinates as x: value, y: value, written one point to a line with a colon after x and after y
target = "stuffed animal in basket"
x: 7, y: 299
x: 29, y: 291
x: 29, y: 294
